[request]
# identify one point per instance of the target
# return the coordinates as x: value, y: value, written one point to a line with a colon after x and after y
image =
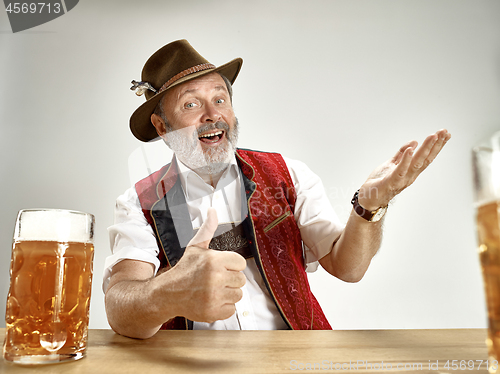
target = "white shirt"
x: 131, y: 236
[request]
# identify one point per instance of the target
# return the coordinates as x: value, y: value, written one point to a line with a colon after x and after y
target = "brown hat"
x: 173, y: 64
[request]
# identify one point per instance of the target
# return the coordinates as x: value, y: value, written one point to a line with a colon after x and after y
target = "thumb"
x: 206, y: 231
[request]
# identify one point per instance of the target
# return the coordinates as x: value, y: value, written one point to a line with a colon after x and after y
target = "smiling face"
x: 199, y: 124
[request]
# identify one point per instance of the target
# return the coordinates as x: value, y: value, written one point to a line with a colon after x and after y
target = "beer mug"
x: 48, y: 303
x: 486, y: 167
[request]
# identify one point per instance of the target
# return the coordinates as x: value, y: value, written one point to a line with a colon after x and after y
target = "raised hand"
x: 393, y: 176
x: 212, y: 280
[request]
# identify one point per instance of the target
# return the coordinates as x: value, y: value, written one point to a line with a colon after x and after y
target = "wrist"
x: 162, y: 298
x: 369, y: 198
x: 370, y: 212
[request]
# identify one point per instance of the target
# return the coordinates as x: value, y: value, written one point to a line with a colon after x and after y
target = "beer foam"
x: 54, y: 225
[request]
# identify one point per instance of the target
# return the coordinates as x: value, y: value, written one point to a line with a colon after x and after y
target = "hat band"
x: 183, y: 73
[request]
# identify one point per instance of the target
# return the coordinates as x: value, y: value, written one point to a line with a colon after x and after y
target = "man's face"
x: 202, y: 129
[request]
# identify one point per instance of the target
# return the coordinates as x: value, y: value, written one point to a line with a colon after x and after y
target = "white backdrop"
x: 338, y: 84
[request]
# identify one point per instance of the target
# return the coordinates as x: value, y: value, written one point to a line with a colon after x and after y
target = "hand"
x: 211, y: 280
x: 392, y: 177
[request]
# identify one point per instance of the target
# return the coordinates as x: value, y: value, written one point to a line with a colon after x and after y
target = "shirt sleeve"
x: 318, y: 223
x: 131, y: 237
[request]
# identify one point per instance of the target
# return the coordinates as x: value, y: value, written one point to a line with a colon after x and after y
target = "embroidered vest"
x: 270, y: 229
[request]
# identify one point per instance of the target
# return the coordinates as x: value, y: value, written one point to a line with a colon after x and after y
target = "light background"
x: 338, y: 84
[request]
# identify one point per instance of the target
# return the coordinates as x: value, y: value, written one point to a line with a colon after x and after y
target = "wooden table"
x: 370, y: 351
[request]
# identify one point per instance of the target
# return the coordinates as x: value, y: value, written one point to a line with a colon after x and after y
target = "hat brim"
x: 140, y: 121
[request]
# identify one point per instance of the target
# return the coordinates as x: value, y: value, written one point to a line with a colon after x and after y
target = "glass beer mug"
x: 486, y: 165
x: 48, y: 303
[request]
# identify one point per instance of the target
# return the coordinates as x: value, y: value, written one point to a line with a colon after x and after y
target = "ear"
x: 159, y: 124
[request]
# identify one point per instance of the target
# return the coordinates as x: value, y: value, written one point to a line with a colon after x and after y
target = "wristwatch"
x: 370, y: 215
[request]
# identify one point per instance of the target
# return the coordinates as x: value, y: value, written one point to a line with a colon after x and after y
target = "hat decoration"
x: 141, y: 87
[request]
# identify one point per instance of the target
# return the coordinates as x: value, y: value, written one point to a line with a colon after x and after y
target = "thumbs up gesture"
x: 206, y: 232
x: 211, y: 280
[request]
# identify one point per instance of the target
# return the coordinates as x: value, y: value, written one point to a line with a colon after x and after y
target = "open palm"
x: 393, y: 176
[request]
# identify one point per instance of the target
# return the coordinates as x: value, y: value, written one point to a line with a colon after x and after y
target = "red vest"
x: 270, y: 228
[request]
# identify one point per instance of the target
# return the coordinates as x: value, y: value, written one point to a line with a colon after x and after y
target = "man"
x: 220, y: 237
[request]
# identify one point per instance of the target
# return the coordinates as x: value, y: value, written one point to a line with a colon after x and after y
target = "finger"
x: 222, y: 312
x: 443, y: 137
x: 399, y: 155
x: 233, y: 261
x: 232, y: 296
x: 206, y: 232
x: 227, y: 311
x: 443, y: 134
x: 420, y: 161
x: 402, y: 169
x: 235, y: 279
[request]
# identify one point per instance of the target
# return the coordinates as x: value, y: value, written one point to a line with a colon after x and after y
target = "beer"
x: 488, y: 228
x: 48, y: 302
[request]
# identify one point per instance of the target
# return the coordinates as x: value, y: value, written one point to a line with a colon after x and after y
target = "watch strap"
x: 369, y: 215
x: 362, y: 212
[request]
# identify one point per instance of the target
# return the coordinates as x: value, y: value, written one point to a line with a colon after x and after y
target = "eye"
x: 220, y: 101
x: 189, y: 105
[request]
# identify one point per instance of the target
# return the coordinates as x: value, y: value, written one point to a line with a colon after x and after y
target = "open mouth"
x: 212, y: 137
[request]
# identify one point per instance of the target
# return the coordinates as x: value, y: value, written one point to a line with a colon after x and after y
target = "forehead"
x: 209, y: 82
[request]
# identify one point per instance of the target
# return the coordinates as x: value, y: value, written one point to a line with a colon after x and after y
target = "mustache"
x: 219, y: 125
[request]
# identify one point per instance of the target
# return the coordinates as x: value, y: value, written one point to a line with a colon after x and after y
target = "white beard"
x: 188, y: 150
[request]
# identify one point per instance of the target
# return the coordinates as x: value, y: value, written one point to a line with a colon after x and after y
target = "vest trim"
x: 257, y: 253
x: 152, y: 207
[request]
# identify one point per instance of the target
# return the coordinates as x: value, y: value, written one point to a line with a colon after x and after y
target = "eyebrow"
x: 216, y: 88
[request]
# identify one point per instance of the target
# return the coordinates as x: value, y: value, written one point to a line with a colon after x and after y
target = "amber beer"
x: 48, y: 303
x: 486, y: 182
x: 488, y: 229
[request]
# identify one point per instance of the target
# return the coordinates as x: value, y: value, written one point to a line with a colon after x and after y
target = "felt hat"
x: 171, y: 65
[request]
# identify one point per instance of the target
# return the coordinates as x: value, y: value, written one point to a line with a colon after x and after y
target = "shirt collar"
x: 192, y: 182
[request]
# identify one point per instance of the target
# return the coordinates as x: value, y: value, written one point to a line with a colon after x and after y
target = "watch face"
x: 379, y: 214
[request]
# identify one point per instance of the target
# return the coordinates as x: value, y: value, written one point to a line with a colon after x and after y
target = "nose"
x: 211, y: 114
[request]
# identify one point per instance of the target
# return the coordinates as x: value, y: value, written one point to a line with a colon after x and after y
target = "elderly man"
x: 220, y: 237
